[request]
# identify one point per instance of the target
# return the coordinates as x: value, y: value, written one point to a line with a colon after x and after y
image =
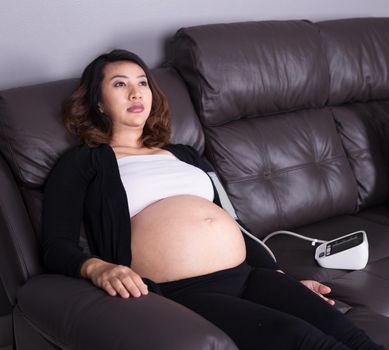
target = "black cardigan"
x: 85, y: 186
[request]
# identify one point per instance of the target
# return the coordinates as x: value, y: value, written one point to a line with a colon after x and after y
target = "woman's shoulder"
x: 83, y: 152
x: 81, y: 157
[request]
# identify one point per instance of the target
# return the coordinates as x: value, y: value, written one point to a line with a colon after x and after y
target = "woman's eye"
x: 119, y: 84
x: 144, y: 83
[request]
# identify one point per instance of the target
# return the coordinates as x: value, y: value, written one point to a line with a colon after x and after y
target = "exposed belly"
x: 184, y: 236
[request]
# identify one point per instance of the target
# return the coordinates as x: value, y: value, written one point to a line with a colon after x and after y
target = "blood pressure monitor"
x: 349, y: 252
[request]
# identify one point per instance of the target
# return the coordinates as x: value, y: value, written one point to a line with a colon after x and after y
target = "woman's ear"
x: 100, y: 107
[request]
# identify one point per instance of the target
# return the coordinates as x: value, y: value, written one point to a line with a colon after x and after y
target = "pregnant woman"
x: 153, y: 220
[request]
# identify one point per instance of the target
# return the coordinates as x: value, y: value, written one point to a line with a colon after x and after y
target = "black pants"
x: 260, y: 308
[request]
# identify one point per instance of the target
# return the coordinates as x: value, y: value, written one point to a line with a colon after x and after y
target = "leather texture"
x: 268, y: 163
x: 364, y: 129
x: 19, y: 248
x: 246, y: 70
x: 294, y: 117
x: 129, y: 321
x: 357, y: 52
x: 31, y: 151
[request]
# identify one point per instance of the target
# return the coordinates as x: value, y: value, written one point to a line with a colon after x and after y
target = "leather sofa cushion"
x: 366, y: 290
x: 283, y: 171
x: 32, y: 135
x: 357, y: 50
x: 250, y: 69
x: 364, y: 130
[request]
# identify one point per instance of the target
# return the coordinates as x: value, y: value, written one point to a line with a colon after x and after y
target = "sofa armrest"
x: 73, y: 314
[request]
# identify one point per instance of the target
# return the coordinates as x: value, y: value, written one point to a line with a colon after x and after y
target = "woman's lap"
x: 281, y: 292
x: 253, y: 326
x: 262, y: 307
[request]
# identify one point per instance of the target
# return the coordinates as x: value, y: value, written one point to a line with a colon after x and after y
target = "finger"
x: 144, y: 289
x: 108, y: 288
x: 323, y: 297
x: 307, y: 284
x: 131, y: 287
x: 329, y: 301
x: 119, y: 287
x: 323, y: 289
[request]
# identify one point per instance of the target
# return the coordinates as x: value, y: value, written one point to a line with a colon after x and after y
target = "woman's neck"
x: 127, y: 140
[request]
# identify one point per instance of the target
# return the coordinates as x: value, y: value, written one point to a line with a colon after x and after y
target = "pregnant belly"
x: 184, y: 236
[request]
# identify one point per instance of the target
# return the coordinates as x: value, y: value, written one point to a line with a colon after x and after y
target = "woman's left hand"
x: 319, y: 289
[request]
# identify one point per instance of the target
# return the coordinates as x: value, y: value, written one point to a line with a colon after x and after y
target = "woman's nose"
x: 134, y: 93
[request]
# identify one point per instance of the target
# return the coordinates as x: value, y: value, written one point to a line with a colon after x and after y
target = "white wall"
x: 44, y: 40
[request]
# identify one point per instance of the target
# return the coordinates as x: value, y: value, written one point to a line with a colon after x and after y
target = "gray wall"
x: 43, y: 40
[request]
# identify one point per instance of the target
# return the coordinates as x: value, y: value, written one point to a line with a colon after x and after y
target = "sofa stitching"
x: 268, y: 176
x: 284, y: 170
x: 347, y: 156
x: 317, y: 164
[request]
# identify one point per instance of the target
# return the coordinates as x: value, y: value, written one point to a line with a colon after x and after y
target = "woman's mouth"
x: 137, y: 108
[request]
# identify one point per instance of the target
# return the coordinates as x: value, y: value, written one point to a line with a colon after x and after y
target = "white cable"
x: 258, y: 241
x: 224, y: 200
x: 282, y: 232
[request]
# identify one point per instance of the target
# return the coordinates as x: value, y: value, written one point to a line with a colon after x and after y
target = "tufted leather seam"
x: 318, y: 163
x: 284, y: 170
x: 264, y: 147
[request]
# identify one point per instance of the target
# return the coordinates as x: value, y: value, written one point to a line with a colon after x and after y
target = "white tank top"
x: 149, y: 178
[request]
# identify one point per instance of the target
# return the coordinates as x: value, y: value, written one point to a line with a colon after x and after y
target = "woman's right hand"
x: 114, y: 279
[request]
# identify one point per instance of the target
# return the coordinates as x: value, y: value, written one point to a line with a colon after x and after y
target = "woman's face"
x: 125, y: 94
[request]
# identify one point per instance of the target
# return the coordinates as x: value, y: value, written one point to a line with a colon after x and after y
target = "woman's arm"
x: 63, y: 202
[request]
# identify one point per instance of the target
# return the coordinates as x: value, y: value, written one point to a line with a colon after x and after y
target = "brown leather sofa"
x: 294, y: 116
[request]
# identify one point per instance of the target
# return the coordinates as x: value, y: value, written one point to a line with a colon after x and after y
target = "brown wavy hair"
x: 83, y: 118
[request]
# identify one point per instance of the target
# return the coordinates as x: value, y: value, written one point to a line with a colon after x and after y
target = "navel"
x: 209, y: 220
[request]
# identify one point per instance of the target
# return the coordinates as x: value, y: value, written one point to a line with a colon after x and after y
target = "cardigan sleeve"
x: 63, y: 203
x: 256, y: 255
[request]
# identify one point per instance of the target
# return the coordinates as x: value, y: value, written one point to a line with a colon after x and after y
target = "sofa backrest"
x: 357, y: 52
x: 32, y: 138
x: 276, y: 99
